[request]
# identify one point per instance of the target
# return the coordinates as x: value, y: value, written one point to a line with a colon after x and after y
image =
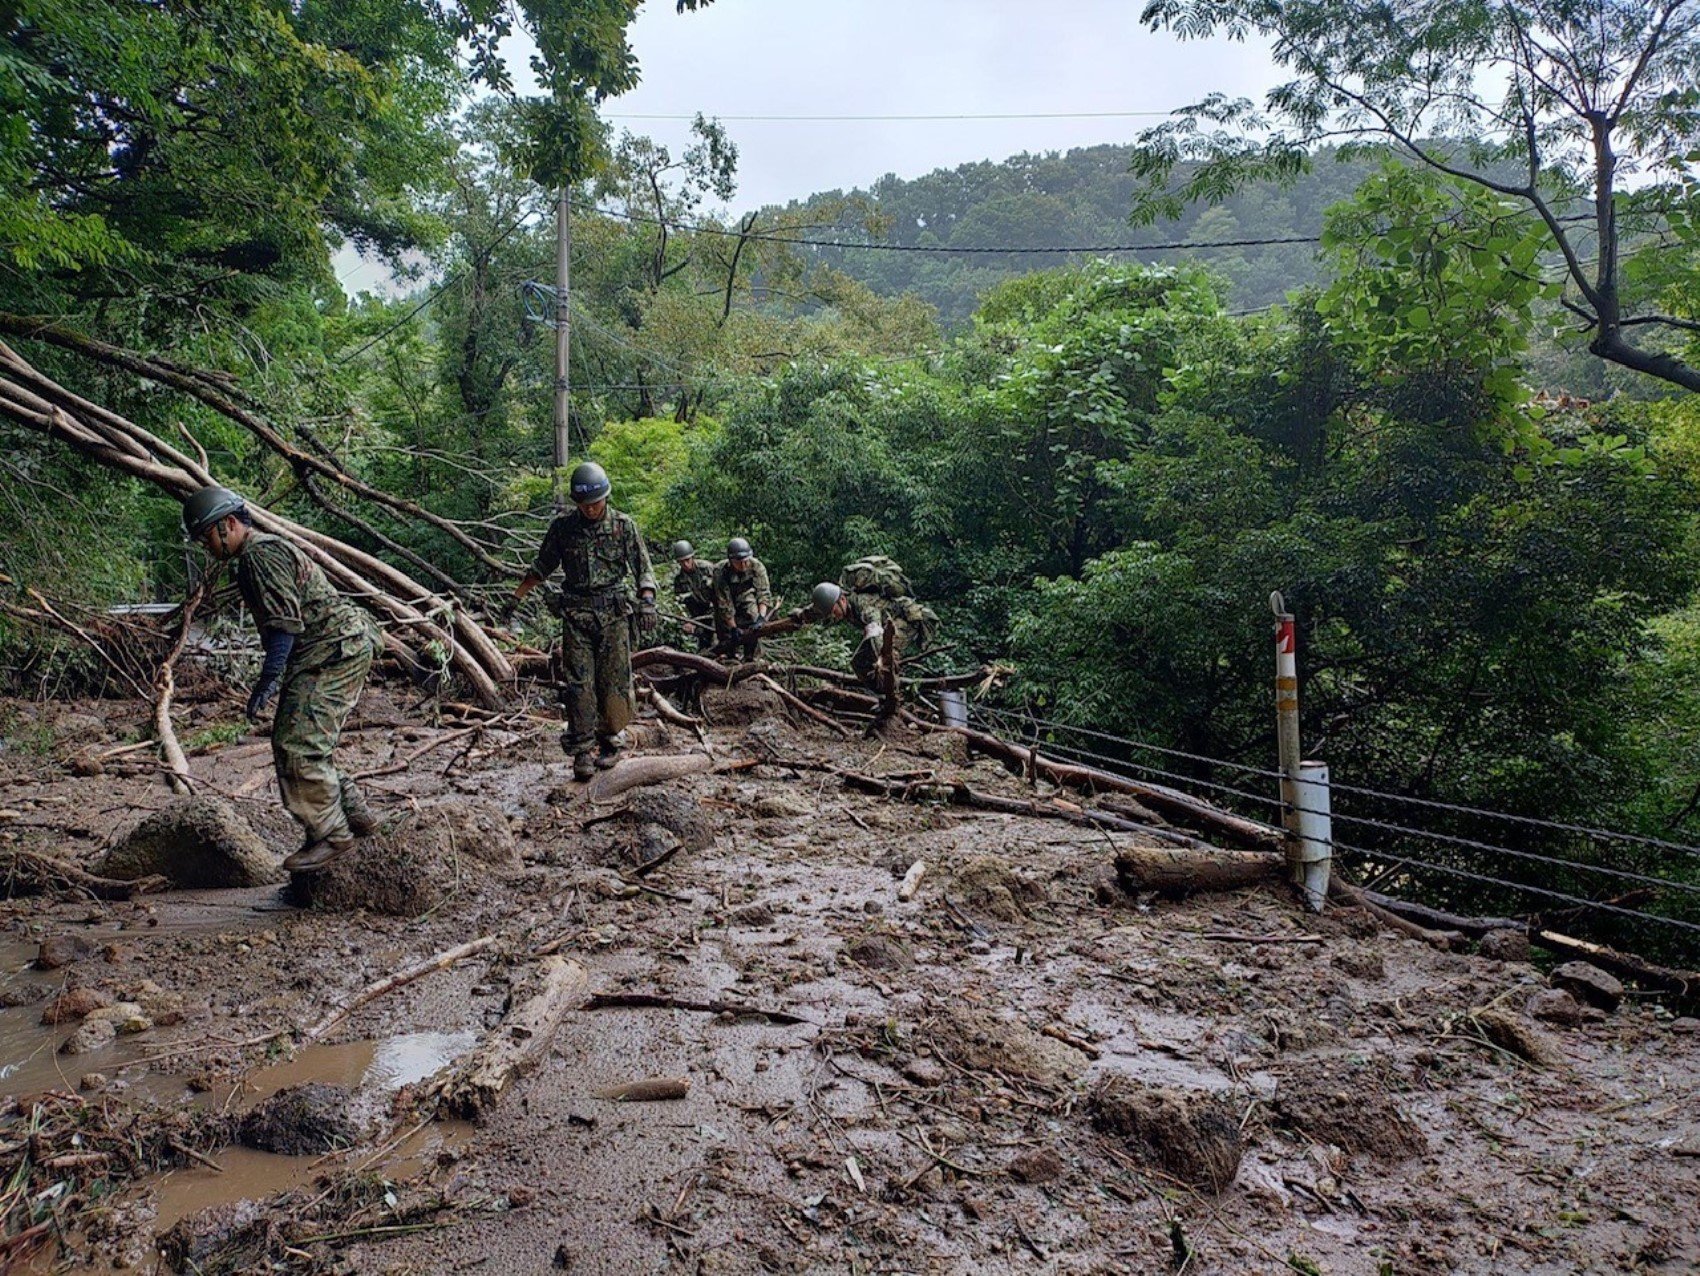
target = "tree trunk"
x: 1176, y: 872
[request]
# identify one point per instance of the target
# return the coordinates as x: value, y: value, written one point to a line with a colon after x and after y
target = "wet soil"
x: 942, y: 1105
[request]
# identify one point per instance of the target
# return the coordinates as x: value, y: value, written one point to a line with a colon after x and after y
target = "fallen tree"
x: 414, y: 616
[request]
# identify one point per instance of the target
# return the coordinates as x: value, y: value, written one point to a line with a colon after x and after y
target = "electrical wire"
x: 898, y: 119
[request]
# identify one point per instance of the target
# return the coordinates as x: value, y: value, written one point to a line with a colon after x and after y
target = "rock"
x: 976, y: 1037
x: 1194, y: 1137
x: 988, y: 884
x: 1510, y: 1032
x: 1685, y: 1026
x: 879, y: 952
x: 90, y: 1035
x: 14, y: 995
x: 681, y: 815
x: 1038, y: 1165
x: 1504, y: 944
x: 62, y: 950
x: 1344, y: 1106
x: 74, y: 1004
x: 197, y: 842
x: 924, y: 1072
x: 1589, y: 983
x: 79, y: 727
x: 757, y: 914
x: 87, y: 765
x: 304, y: 1120
x: 779, y: 806
x: 477, y: 828
x: 1554, y: 1005
x: 126, y: 1016
x: 91, y: 1081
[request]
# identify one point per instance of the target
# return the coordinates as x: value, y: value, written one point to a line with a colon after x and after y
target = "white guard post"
x: 953, y: 708
x: 1315, y: 843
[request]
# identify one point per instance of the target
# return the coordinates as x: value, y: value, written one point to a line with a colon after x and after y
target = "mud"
x: 956, y: 1054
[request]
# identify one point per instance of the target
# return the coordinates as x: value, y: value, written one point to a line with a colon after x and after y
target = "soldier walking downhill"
x: 319, y: 647
x: 743, y: 600
x: 693, y: 587
x: 603, y: 560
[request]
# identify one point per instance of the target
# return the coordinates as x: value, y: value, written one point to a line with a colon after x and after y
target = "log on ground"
x: 520, y: 1042
x: 1175, y: 871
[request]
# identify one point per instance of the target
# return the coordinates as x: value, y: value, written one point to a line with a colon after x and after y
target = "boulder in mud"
x: 477, y: 828
x: 1036, y: 1165
x: 976, y: 1037
x: 304, y: 1120
x: 987, y: 884
x: 410, y: 867
x: 1589, y: 983
x: 61, y: 950
x: 879, y: 951
x: 1193, y: 1137
x: 91, y: 1034
x: 196, y: 843
x: 73, y: 1005
x: 1554, y: 1006
x: 1349, y: 1109
x: 1504, y: 944
x: 125, y: 1016
x: 680, y: 814
x: 1514, y: 1034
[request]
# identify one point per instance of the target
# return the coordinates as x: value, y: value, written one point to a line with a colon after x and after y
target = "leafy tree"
x: 1592, y: 101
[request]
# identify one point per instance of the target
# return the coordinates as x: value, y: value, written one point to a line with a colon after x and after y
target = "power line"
x: 899, y: 119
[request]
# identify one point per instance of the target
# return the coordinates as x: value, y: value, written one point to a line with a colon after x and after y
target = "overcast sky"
x: 898, y: 57
x: 912, y: 57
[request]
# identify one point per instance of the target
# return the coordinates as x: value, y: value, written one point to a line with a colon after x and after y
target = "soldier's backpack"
x: 876, y: 574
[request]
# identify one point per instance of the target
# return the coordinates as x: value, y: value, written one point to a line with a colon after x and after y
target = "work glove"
x: 734, y: 636
x: 260, y: 697
x: 504, y: 610
x: 755, y: 626
x: 648, y: 618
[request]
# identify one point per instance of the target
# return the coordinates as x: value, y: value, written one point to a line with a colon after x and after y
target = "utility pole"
x: 563, y: 296
x: 1306, y: 809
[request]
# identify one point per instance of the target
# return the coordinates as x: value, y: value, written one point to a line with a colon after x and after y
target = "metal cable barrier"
x: 1631, y: 890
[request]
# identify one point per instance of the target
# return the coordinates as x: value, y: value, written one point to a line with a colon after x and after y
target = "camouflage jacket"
x: 598, y: 560
x: 695, y: 589
x: 740, y: 591
x: 286, y: 591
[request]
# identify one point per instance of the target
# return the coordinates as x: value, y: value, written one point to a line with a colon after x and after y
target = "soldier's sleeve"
x: 549, y: 552
x: 722, y: 595
x: 275, y: 576
x: 764, y: 592
x: 642, y: 571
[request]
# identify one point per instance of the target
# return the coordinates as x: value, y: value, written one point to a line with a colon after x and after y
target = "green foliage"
x: 646, y: 458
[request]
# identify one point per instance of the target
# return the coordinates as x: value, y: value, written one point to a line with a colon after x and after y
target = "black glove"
x: 734, y: 636
x: 755, y: 627
x: 260, y: 697
x: 648, y: 618
x: 504, y: 610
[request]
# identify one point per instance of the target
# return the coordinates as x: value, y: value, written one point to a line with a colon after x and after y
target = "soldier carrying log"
x: 605, y: 577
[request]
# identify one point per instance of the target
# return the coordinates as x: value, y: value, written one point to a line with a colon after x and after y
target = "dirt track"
x: 934, y: 1112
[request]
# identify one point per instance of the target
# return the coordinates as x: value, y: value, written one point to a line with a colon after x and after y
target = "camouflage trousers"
x: 312, y: 707
x: 596, y: 661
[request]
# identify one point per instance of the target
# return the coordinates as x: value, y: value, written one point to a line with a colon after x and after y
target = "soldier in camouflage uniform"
x: 605, y: 573
x: 318, y: 647
x: 693, y: 588
x: 873, y: 594
x: 743, y: 600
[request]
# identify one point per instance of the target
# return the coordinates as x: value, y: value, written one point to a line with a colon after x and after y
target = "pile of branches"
x: 417, y: 618
x: 64, y: 1157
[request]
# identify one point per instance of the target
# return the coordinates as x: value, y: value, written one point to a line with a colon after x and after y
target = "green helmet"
x: 682, y: 550
x: 208, y: 506
x: 738, y: 549
x: 824, y: 597
x: 589, y: 484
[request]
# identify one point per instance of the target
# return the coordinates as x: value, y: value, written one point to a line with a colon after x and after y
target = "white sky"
x: 901, y: 57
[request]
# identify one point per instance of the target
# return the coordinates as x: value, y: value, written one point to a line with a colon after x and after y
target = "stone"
x: 780, y: 806
x: 1554, y: 1006
x: 1193, y: 1137
x: 477, y: 828
x: 87, y: 765
x: 1504, y: 945
x: 91, y: 1081
x: 1685, y: 1026
x: 62, y: 950
x: 1037, y: 1165
x: 303, y: 1120
x: 1509, y: 1032
x: 90, y: 1035
x: 196, y: 843
x: 1589, y: 983
x: 15, y: 995
x: 126, y: 1016
x: 74, y: 1004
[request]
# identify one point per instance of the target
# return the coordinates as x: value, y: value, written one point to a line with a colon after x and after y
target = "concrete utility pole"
x: 563, y: 298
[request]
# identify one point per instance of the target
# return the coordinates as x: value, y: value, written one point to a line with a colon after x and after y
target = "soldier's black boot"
x: 607, y: 754
x: 317, y: 855
x: 583, y: 767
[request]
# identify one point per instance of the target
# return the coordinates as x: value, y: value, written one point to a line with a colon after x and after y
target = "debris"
x: 426, y: 857
x: 1176, y: 871
x: 989, y: 884
x: 855, y: 1172
x: 91, y: 1034
x: 1504, y: 945
x: 1554, y: 1006
x: 1347, y: 1108
x: 1589, y: 983
x: 195, y: 843
x: 1037, y: 1165
x: 878, y: 951
x: 652, y: 1090
x: 912, y: 880
x: 630, y: 1000
x: 1194, y: 1137
x: 61, y: 950
x: 631, y: 773
x: 303, y: 1120
x: 521, y: 1041
x: 975, y: 1037
x: 401, y: 978
x: 1510, y: 1032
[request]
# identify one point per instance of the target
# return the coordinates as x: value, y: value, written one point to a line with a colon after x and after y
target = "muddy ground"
x: 1019, y: 1069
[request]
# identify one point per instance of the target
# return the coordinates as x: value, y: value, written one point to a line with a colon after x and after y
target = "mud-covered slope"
x: 1020, y: 1068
